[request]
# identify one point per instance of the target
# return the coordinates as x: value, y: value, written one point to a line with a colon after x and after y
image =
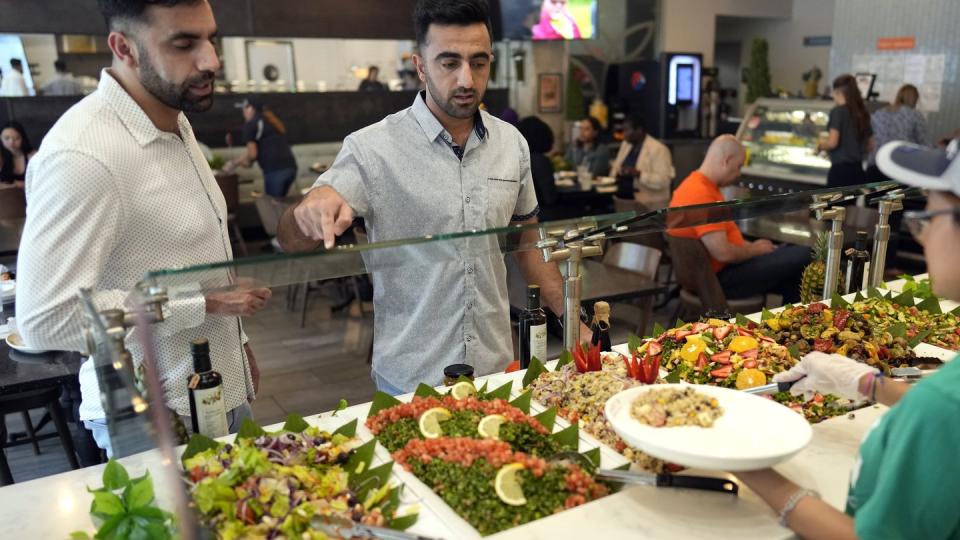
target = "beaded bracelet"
x: 793, y: 502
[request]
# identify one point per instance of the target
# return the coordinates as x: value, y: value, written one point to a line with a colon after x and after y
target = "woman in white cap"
x: 905, y: 481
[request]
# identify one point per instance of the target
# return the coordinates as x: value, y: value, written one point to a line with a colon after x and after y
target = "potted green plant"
x: 758, y: 76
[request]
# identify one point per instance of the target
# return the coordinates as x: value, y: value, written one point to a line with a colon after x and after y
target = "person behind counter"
x: 587, y: 150
x: 120, y: 188
x: 540, y: 139
x: 265, y: 137
x: 647, y: 161
x: 744, y: 268
x: 13, y: 83
x: 439, y: 166
x: 850, y: 137
x: 899, y: 122
x: 17, y: 152
x: 63, y: 83
x: 372, y: 83
x: 903, y: 483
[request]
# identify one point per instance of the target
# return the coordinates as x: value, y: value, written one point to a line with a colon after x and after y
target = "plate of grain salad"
x: 707, y: 427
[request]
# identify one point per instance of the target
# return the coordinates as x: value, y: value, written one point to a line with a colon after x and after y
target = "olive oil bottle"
x: 208, y: 413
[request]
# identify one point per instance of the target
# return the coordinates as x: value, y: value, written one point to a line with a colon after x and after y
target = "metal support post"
x: 834, y: 247
x: 881, y: 238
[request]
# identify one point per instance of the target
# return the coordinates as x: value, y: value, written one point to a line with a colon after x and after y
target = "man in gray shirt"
x: 63, y: 83
x: 440, y: 166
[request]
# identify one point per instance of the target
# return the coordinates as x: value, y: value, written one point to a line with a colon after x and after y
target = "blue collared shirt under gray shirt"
x: 444, y: 303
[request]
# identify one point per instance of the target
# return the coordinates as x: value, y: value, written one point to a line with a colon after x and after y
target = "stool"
x: 23, y: 402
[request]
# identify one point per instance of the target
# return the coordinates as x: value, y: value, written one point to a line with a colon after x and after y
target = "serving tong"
x: 702, y: 483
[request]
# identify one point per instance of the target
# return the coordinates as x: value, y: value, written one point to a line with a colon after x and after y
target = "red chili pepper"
x: 823, y: 345
x: 594, y: 361
x: 840, y: 318
x: 579, y: 358
x: 651, y: 369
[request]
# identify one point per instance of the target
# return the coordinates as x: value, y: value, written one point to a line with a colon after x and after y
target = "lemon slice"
x: 489, y: 426
x: 463, y: 390
x: 430, y: 422
x: 507, y: 485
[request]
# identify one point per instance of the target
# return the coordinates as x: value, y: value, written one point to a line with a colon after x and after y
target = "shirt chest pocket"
x: 501, y: 193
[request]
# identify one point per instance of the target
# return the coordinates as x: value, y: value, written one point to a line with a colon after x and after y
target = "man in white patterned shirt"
x: 120, y: 188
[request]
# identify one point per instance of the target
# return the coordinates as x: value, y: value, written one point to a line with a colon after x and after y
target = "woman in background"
x: 850, y: 138
x: 17, y: 152
x: 899, y: 122
x: 555, y: 22
x: 265, y: 136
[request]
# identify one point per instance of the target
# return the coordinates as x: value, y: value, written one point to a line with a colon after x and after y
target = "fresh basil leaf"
x: 523, y: 402
x: 80, y: 535
x: 501, y: 393
x: 673, y: 377
x: 150, y: 512
x: 403, y: 523
x: 535, y: 369
x: 106, y: 505
x: 547, y: 418
x: 138, y: 494
x: 295, y: 423
x: 381, y: 401
x: 110, y: 527
x: 633, y: 343
x: 198, y: 443
x: 930, y: 305
x: 115, y: 476
x: 568, y: 438
x: 565, y: 358
x: 658, y: 330
x: 250, y: 430
x: 347, y: 430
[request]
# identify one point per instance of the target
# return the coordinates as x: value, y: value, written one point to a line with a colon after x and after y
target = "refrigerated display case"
x: 781, y: 137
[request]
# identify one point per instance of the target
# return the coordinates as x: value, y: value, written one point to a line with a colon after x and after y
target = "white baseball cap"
x: 922, y: 166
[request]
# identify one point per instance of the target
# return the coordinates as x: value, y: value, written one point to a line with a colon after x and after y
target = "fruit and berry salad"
x: 469, y: 417
x: 719, y: 353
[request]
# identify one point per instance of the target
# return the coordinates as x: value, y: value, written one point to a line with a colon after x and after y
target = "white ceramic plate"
x: 606, y: 189
x: 605, y: 181
x: 16, y: 343
x: 753, y: 433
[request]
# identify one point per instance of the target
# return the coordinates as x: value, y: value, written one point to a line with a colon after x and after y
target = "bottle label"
x: 211, y: 412
x: 538, y: 342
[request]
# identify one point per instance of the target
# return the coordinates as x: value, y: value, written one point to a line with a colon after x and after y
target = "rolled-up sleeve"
x: 349, y: 175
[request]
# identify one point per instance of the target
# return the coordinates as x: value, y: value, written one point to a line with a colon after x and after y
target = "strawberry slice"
x: 700, y: 327
x: 654, y: 348
x: 722, y: 373
x: 722, y: 357
x: 744, y: 332
x: 750, y: 364
x: 722, y: 332
x: 751, y: 354
x: 682, y: 334
x: 701, y: 362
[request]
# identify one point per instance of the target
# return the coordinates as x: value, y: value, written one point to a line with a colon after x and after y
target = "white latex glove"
x: 826, y: 374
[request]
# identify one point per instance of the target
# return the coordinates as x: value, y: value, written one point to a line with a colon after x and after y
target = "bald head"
x: 724, y: 160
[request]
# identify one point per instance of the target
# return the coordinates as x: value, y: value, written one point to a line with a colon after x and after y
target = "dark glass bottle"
x: 208, y: 413
x: 601, y: 326
x: 858, y: 264
x: 533, y: 329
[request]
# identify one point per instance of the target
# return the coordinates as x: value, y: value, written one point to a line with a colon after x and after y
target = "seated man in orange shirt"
x: 743, y: 268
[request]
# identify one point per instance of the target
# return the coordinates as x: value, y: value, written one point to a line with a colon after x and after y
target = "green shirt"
x: 906, y: 482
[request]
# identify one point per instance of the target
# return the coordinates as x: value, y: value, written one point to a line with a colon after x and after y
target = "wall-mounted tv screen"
x: 548, y: 20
